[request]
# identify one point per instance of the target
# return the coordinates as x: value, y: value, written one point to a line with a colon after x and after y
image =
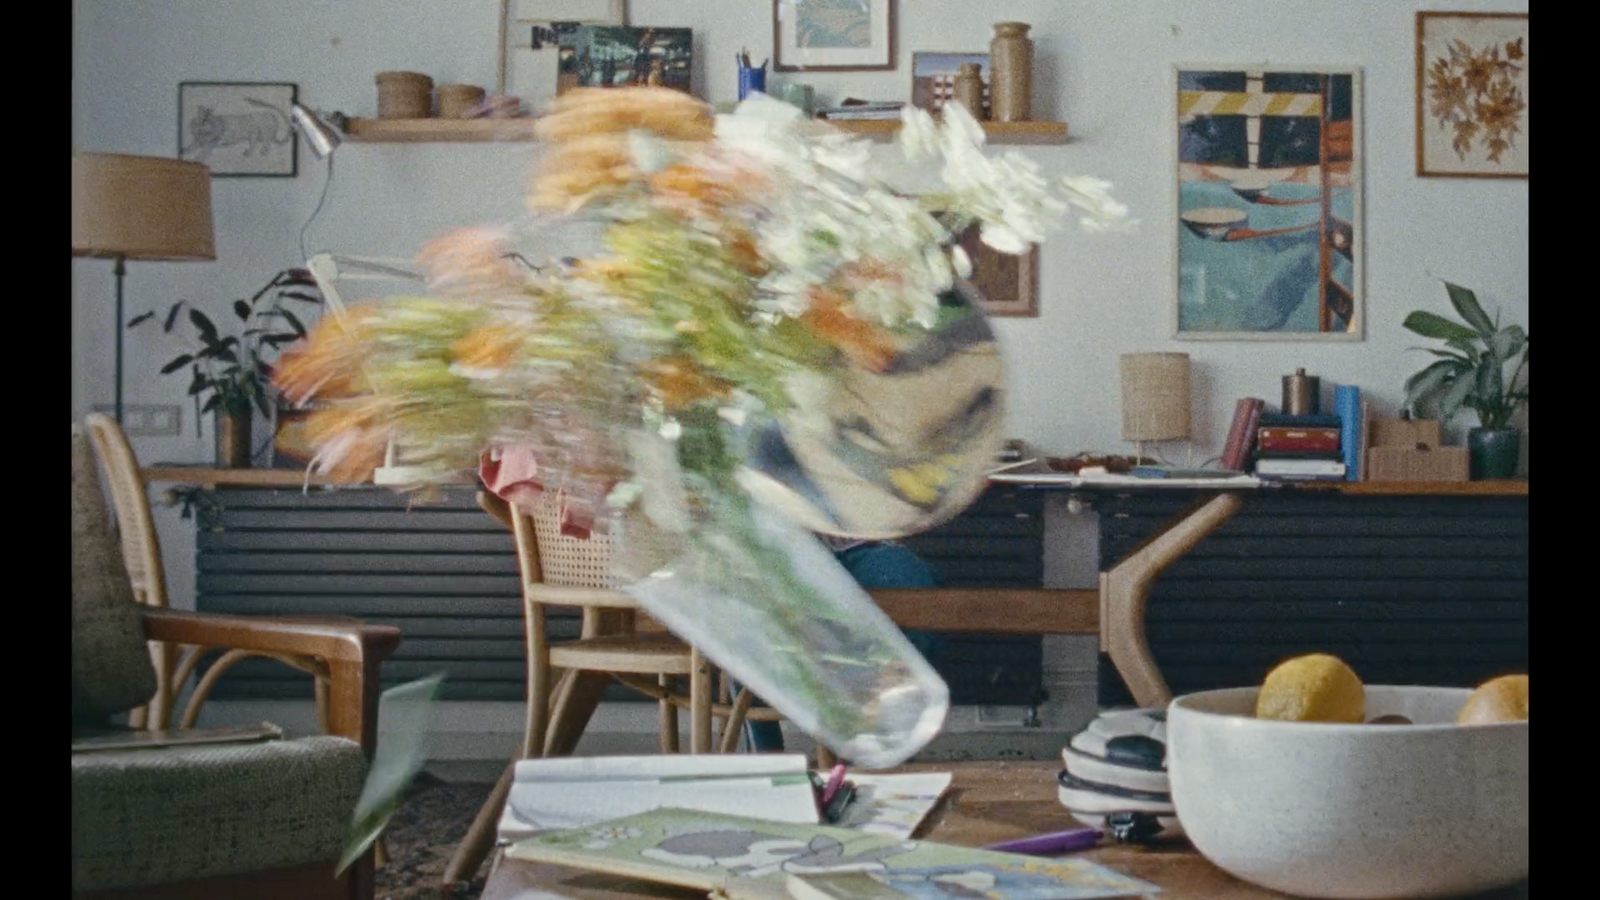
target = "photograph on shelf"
x: 933, y: 77
x: 1472, y: 94
x: 607, y: 56
x: 833, y: 35
x: 1269, y: 234
x: 530, y: 43
x: 1008, y: 283
x: 238, y: 128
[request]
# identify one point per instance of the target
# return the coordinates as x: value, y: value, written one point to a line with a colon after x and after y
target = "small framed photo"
x: 1472, y: 94
x: 933, y: 77
x: 1008, y: 284
x: 238, y: 128
x: 833, y: 35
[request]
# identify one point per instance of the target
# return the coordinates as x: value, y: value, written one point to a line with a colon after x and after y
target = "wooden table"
x: 988, y: 802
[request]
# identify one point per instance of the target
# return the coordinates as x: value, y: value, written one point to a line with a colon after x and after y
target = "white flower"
x: 919, y: 134
x: 1093, y: 197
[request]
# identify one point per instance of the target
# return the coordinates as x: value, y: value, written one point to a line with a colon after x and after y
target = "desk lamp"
x: 1155, y: 398
x: 139, y: 207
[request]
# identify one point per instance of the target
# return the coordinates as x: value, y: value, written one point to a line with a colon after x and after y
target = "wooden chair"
x: 617, y: 641
x: 141, y: 554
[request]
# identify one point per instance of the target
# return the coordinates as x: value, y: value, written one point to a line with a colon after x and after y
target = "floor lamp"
x: 139, y: 207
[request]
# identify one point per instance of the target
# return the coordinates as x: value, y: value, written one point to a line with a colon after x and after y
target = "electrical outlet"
x: 148, y: 420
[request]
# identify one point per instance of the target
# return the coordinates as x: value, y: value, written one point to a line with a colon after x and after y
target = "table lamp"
x: 1155, y: 398
x: 139, y: 207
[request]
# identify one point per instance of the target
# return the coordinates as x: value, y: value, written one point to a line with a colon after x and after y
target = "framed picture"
x: 1472, y: 94
x: 622, y: 56
x: 1269, y: 231
x: 833, y: 35
x: 933, y: 77
x: 238, y: 128
x: 1008, y: 284
x: 530, y: 41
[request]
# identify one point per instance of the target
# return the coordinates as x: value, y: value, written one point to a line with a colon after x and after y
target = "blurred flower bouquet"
x: 775, y: 341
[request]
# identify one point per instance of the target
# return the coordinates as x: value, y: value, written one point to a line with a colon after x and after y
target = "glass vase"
x: 768, y: 603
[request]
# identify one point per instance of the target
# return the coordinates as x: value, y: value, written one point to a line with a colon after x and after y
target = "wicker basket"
x: 460, y: 101
x: 404, y: 95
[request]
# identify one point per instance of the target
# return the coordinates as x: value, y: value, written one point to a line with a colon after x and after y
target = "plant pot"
x: 233, y: 440
x: 1493, y: 452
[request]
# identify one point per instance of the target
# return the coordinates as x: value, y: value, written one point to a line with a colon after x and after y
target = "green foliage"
x: 232, y: 373
x: 1470, y: 372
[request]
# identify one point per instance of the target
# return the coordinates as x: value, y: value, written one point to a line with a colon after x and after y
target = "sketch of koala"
x: 751, y: 854
x: 258, y: 131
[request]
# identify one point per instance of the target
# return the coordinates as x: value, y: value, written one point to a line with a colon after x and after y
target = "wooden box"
x: 1408, y: 450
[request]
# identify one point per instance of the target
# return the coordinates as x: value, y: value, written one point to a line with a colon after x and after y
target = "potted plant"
x: 231, y: 374
x: 1470, y: 373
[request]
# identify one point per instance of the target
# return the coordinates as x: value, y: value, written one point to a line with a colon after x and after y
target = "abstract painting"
x: 1472, y: 94
x: 238, y: 128
x: 832, y: 35
x: 1269, y: 226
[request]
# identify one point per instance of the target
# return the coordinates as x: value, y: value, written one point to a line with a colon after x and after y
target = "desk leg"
x: 1124, y: 590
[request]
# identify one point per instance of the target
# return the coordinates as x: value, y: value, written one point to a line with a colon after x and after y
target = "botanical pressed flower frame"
x: 1472, y: 95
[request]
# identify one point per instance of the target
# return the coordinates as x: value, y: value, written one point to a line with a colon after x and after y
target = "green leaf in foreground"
x: 404, y: 712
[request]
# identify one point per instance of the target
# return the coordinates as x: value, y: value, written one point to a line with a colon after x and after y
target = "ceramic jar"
x: 968, y: 89
x: 1010, y: 72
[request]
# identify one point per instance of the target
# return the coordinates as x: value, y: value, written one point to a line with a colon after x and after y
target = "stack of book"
x: 860, y: 111
x: 1300, y: 448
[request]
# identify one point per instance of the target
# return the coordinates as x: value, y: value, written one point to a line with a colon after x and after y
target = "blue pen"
x: 1051, y: 844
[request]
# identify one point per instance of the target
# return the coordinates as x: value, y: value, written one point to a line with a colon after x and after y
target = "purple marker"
x: 1051, y: 844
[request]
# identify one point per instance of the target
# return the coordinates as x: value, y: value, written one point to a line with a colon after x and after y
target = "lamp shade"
x: 1155, y: 396
x: 141, y: 207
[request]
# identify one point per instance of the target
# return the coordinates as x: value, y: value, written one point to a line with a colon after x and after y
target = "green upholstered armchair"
x: 237, y: 821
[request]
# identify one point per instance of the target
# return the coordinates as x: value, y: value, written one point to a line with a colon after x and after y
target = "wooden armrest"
x: 325, y: 639
x: 571, y: 595
x: 352, y: 650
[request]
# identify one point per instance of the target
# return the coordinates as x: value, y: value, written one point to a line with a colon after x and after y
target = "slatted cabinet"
x: 445, y: 574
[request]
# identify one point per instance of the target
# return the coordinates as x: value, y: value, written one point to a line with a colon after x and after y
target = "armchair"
x: 242, y: 821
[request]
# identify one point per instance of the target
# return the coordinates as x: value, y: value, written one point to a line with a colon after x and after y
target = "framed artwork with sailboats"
x: 1269, y: 232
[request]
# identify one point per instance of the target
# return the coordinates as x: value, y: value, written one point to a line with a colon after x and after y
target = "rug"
x: 423, y: 834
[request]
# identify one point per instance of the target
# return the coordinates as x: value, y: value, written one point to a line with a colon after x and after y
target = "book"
x: 894, y: 804
x: 724, y: 854
x: 572, y: 792
x: 1299, y: 454
x: 1283, y: 437
x: 1293, y: 467
x: 1319, y: 420
x: 1351, y: 409
x: 99, y: 741
x: 1236, y: 449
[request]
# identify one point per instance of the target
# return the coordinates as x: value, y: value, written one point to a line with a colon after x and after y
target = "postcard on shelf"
x: 125, y: 739
x: 710, y: 852
x: 573, y: 792
x: 893, y: 804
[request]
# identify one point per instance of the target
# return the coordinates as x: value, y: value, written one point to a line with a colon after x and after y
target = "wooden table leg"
x: 480, y: 836
x: 1126, y: 587
x: 576, y: 697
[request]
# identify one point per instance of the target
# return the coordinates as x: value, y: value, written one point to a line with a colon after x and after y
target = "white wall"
x: 1107, y: 68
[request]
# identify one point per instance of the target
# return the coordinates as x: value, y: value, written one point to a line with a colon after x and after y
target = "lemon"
x: 1503, y: 699
x: 1312, y: 688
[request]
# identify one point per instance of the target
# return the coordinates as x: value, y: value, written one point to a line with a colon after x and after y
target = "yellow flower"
x: 328, y: 362
x: 664, y: 112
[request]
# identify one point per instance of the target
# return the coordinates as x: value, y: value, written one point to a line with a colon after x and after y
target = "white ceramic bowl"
x: 1432, y: 809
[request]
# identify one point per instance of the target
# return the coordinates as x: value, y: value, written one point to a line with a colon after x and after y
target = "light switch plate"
x: 148, y: 420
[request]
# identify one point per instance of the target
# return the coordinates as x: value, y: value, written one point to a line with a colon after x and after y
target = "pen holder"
x: 751, y: 80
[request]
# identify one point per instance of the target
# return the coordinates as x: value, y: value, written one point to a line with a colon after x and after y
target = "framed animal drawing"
x: 238, y: 128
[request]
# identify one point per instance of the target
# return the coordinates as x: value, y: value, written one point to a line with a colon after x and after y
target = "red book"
x: 1279, y: 437
x: 1241, y: 433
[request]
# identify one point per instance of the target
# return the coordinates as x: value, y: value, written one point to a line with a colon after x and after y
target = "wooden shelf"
x: 208, y: 477
x: 407, y: 131
x: 998, y: 132
x: 1512, y: 487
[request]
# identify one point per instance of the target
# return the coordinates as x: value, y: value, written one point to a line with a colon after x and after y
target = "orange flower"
x: 350, y: 439
x: 664, y: 112
x: 680, y: 381
x: 487, y: 346
x: 328, y: 362
x: 579, y: 169
x: 470, y: 261
x: 691, y: 189
x: 865, y: 344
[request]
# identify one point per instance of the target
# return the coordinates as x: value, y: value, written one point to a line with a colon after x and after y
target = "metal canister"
x: 1301, y: 393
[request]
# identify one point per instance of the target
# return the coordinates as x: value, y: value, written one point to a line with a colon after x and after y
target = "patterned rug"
x: 422, y: 836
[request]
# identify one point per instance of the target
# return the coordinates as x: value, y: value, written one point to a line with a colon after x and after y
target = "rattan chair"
x: 617, y: 639
x: 141, y: 554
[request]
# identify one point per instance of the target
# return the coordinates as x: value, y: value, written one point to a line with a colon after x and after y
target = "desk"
x: 987, y: 802
x: 1125, y: 586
